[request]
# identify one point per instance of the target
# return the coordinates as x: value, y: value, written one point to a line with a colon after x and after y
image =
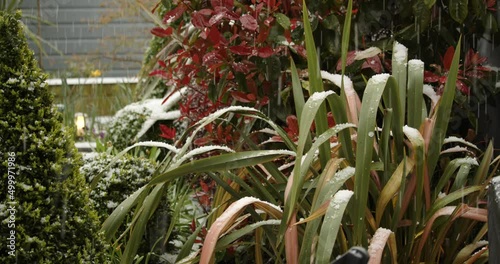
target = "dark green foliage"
x: 54, y: 222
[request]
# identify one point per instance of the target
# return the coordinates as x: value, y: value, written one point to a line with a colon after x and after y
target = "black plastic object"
x: 355, y: 255
x: 494, y: 220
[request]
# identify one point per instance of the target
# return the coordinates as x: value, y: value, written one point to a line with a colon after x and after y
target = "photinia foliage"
x: 471, y: 70
x: 235, y: 51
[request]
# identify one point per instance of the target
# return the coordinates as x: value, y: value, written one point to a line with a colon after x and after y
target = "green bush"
x: 123, y: 177
x: 126, y: 123
x: 54, y: 222
x: 140, y: 121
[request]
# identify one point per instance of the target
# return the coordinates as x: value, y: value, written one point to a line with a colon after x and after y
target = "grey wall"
x: 91, y: 34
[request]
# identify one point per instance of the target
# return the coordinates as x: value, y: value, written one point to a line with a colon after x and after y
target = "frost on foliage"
x: 125, y: 176
x: 367, y: 53
x: 342, y: 197
x: 318, y: 96
x: 413, y: 134
x: 416, y: 64
x: 53, y: 220
x: 352, y: 97
x: 126, y: 124
x: 400, y: 53
x: 337, y: 80
x: 201, y: 150
x: 431, y: 93
x: 454, y: 139
x: 379, y: 78
x: 134, y: 120
x: 468, y: 160
x: 344, y: 174
x: 376, y: 247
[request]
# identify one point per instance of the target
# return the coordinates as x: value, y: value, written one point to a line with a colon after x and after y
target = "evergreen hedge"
x: 53, y: 219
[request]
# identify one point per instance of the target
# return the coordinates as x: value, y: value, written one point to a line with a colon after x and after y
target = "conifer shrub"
x: 44, y: 200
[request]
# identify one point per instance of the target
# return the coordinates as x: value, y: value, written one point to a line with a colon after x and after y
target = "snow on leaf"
x: 376, y: 247
x: 367, y: 53
x: 201, y: 150
x: 400, y: 53
x: 174, y: 14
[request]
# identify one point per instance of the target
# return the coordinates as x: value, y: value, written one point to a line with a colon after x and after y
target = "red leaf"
x: 216, y: 37
x: 264, y: 100
x: 251, y: 97
x: 249, y: 22
x: 193, y: 226
x: 196, y: 58
x: 430, y: 77
x: 167, y: 132
x: 448, y: 57
x: 206, y: 12
x: 349, y: 60
x: 209, y: 128
x: 271, y: 4
x: 473, y: 58
x: 292, y: 128
x: 252, y: 86
x: 225, y: 3
x: 205, y: 187
x: 174, y: 14
x: 199, y: 18
x: 491, y: 5
x: 475, y: 74
x: 263, y: 34
x: 464, y: 88
x: 241, y: 50
x: 240, y: 97
x: 300, y: 50
x: 162, y: 63
x: 212, y: 58
x: 202, y: 141
x: 240, y: 67
x: 162, y: 33
x: 155, y: 7
x: 293, y: 125
x: 373, y: 63
x: 159, y: 73
x: 215, y: 20
x: 265, y: 52
x: 269, y: 21
x: 331, y: 120
x: 442, y: 79
x: 204, y: 33
x: 227, y: 12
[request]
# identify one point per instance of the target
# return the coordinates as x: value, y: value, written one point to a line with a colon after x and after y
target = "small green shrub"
x: 54, y: 222
x: 126, y: 124
x: 140, y: 121
x: 124, y: 176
